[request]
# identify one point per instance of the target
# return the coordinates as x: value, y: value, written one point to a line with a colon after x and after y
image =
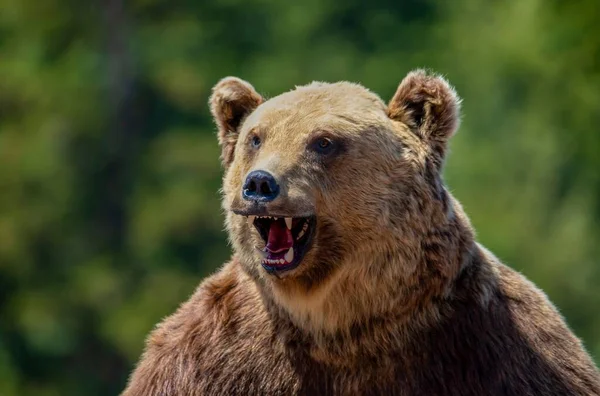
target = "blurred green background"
x: 109, y: 206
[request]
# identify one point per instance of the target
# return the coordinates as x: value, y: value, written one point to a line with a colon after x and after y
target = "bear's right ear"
x: 232, y: 100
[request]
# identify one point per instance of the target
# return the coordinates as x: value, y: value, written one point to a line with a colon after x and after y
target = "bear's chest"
x: 278, y: 375
x: 255, y: 364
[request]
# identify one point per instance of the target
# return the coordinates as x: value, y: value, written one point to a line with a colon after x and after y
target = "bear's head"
x: 327, y: 189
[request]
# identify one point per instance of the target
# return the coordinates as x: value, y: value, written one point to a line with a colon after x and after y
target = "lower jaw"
x: 285, y: 261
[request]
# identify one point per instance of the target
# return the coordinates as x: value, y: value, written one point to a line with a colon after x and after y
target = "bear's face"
x: 327, y: 172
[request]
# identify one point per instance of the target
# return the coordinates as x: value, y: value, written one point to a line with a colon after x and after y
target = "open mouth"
x: 287, y: 239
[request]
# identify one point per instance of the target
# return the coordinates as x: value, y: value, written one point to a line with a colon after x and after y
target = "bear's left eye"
x: 323, y: 145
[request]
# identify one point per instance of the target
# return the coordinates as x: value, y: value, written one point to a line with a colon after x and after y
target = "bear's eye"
x: 255, y: 141
x: 323, y: 145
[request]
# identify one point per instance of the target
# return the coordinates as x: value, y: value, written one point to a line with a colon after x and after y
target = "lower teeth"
x: 289, y: 256
x: 268, y: 261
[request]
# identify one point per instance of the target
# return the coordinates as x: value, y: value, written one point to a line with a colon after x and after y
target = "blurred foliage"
x: 109, y: 205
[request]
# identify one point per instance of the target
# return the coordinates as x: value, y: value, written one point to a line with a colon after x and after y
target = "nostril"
x: 265, y: 189
x: 252, y: 186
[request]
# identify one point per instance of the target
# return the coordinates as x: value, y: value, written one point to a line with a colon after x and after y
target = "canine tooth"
x: 251, y: 220
x: 300, y: 234
x: 288, y: 222
x: 289, y: 256
x: 261, y: 252
x: 305, y: 226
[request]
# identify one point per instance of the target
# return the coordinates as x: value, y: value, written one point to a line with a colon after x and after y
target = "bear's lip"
x: 286, y: 239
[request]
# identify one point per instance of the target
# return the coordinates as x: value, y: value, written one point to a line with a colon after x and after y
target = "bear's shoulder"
x: 545, y: 335
x: 524, y: 332
x: 220, y: 341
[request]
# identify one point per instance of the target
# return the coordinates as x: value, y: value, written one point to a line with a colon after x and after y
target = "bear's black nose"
x: 260, y: 186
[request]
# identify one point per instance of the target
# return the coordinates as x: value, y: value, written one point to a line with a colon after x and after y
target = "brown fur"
x: 395, y: 296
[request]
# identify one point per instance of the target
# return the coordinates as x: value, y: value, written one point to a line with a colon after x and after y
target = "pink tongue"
x: 280, y: 237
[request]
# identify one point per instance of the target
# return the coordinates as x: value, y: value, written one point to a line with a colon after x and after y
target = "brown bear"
x: 355, y: 271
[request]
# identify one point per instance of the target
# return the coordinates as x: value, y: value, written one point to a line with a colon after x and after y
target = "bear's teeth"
x: 289, y: 256
x: 288, y: 222
x: 251, y: 220
x: 261, y: 252
x: 302, y: 231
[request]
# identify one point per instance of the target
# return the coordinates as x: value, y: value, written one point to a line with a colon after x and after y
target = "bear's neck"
x: 399, y: 291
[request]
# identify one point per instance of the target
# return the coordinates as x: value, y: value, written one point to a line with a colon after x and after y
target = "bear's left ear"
x: 231, y: 102
x: 429, y: 106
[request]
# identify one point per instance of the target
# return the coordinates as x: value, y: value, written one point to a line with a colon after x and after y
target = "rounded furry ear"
x: 429, y: 106
x: 232, y: 100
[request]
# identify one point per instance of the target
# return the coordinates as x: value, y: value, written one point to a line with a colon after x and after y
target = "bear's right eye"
x: 324, y: 146
x: 255, y: 142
